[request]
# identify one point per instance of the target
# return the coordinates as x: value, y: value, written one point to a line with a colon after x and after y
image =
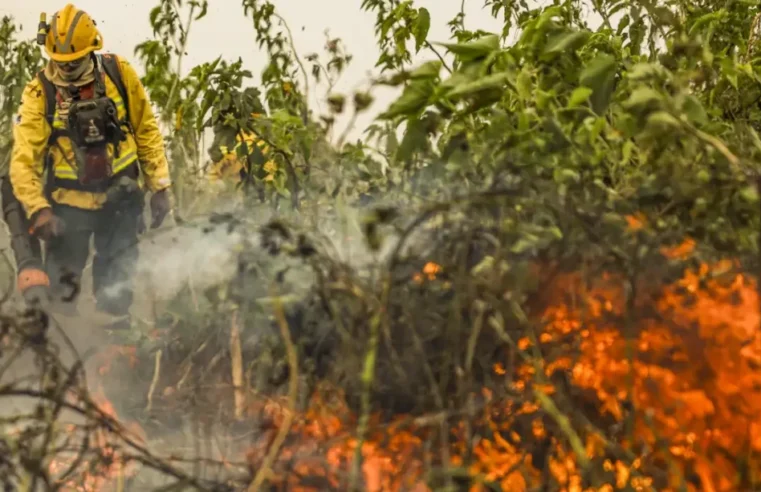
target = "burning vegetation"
x: 590, y: 380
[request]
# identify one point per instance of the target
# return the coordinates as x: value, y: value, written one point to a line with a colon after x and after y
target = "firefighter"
x: 230, y: 166
x: 86, y: 147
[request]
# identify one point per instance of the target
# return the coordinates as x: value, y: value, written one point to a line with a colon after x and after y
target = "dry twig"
x: 236, y: 362
x: 154, y: 381
x: 293, y: 388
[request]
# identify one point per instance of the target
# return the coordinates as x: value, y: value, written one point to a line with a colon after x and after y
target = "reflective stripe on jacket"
x: 31, y: 132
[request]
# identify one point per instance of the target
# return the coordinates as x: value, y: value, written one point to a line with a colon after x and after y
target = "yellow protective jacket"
x: 31, y: 131
x: 230, y: 166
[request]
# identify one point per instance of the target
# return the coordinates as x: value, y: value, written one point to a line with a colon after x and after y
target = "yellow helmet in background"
x: 72, y: 35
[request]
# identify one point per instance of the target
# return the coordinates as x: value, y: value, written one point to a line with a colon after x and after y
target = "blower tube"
x: 32, y: 281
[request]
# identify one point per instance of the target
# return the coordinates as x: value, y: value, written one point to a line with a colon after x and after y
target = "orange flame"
x: 103, y: 478
x: 691, y: 376
x: 429, y: 272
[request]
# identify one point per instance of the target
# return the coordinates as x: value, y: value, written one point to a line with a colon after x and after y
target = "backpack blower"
x: 32, y: 281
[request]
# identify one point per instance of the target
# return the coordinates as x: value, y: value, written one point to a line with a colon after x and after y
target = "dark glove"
x: 46, y: 225
x: 160, y: 207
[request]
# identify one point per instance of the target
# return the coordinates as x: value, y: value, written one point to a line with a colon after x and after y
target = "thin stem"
x: 180, y: 56
x: 347, y: 130
x: 440, y: 57
x: 305, y: 113
x: 368, y: 378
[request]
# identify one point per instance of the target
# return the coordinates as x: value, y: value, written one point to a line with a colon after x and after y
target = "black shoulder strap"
x: 49, y: 91
x: 111, y: 66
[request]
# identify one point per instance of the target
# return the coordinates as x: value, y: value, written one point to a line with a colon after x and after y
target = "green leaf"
x: 336, y: 103
x: 421, y: 26
x: 646, y: 71
x: 559, y: 141
x: 662, y: 119
x: 599, y: 75
x: 623, y: 24
x: 414, y: 139
x: 708, y: 19
x: 732, y: 78
x: 224, y: 141
x: 455, y: 80
x: 626, y: 152
x: 579, y: 96
x: 563, y: 175
x: 394, y: 80
x: 473, y: 68
x: 729, y: 70
x: 475, y: 49
x: 524, y: 244
x: 427, y: 70
x: 750, y: 194
x: 154, y: 15
x: 664, y: 16
x: 484, y: 99
x: 204, y: 10
x: 598, y: 70
x: 392, y: 143
x: 642, y: 96
x: 362, y: 101
x: 486, y: 266
x: 694, y: 110
x: 754, y: 138
x: 567, y: 41
x: 524, y: 83
x: 492, y: 82
x: 414, y: 98
x: 458, y: 141
x: 215, y: 154
x: 208, y: 100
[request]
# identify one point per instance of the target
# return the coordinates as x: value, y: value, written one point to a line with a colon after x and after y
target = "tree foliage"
x: 19, y: 61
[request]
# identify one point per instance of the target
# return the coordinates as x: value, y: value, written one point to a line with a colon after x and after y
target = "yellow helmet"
x: 72, y: 35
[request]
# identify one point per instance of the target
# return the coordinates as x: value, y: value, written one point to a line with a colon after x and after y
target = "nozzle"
x: 42, y: 29
x: 32, y: 277
x: 34, y: 286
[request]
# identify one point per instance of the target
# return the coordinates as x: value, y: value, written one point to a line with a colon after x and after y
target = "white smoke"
x: 200, y: 255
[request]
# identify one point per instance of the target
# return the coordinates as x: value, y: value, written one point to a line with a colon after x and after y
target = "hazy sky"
x: 225, y: 31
